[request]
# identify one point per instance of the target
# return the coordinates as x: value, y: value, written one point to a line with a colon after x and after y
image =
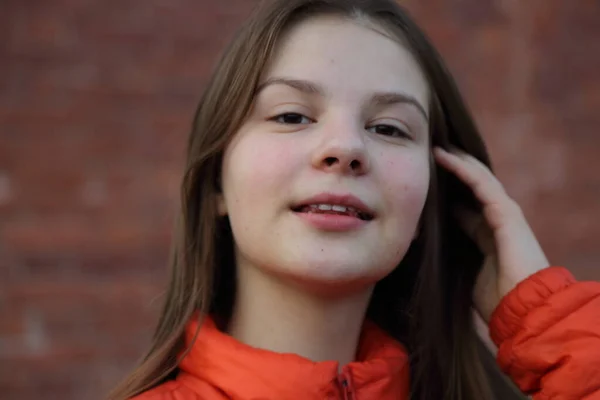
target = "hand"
x: 511, y: 251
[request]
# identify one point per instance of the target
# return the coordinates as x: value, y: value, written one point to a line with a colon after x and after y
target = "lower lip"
x: 332, y: 222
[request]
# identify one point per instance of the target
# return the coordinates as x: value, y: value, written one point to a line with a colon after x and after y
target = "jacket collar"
x: 243, y: 372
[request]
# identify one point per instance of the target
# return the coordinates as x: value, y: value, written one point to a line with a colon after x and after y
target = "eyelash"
x: 277, y: 118
x: 398, y: 132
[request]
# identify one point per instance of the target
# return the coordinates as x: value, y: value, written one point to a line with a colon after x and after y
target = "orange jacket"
x: 547, y: 330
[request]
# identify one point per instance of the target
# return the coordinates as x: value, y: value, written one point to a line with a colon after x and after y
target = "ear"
x: 221, y: 206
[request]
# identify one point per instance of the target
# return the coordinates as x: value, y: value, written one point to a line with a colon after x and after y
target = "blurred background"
x: 96, y: 98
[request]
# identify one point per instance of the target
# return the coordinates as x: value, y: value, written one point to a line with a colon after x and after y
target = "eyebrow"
x: 379, y: 98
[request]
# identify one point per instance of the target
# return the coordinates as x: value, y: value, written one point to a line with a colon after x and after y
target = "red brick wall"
x: 95, y: 101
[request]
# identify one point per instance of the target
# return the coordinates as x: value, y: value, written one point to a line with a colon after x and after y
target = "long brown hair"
x: 425, y: 303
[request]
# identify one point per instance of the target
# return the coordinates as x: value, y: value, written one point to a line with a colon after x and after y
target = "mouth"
x: 337, y: 205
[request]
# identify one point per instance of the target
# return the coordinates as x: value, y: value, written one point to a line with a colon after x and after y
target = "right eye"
x: 291, y: 119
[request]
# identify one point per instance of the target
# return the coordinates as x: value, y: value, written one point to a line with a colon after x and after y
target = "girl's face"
x: 325, y: 182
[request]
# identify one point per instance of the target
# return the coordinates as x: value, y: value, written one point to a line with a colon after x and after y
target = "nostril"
x: 330, y: 161
x: 355, y: 164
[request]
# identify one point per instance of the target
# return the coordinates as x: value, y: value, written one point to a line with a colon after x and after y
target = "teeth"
x: 333, y: 207
x: 315, y: 208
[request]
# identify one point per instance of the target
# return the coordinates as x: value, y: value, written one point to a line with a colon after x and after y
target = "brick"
x: 96, y: 100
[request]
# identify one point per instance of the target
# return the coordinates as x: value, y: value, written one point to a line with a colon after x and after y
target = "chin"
x: 333, y: 276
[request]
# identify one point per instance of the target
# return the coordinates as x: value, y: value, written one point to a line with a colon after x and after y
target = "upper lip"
x: 347, y: 200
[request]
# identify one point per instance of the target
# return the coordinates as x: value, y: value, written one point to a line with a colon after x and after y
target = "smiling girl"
x: 340, y: 227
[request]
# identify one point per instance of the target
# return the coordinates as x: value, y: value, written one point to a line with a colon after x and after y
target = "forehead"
x: 350, y: 57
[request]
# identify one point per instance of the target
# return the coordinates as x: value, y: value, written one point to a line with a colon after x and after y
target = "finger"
x: 474, y: 174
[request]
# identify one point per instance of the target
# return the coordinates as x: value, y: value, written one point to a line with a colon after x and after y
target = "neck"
x: 272, y: 315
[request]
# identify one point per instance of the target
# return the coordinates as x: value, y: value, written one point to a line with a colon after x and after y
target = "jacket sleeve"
x: 548, y: 335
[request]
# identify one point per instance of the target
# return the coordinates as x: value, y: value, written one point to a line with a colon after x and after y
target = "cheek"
x: 407, y: 183
x: 254, y: 168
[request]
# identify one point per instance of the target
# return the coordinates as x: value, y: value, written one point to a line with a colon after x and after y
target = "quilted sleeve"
x: 548, y: 335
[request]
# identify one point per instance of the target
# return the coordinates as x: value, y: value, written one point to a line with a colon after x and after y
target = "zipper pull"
x: 345, y: 381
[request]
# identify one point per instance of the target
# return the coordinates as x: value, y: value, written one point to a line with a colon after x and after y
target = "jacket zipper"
x: 346, y: 386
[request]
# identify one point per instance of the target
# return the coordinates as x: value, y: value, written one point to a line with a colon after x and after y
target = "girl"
x: 340, y: 223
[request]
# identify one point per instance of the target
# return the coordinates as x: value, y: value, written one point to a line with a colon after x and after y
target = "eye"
x: 388, y: 130
x: 291, y: 119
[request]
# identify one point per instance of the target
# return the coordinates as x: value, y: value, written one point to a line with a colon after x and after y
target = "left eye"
x: 388, y: 130
x: 291, y: 118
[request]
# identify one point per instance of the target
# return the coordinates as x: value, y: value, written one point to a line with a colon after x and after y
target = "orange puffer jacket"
x: 547, y: 331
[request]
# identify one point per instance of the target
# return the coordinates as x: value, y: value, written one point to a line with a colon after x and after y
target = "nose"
x: 342, y: 150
